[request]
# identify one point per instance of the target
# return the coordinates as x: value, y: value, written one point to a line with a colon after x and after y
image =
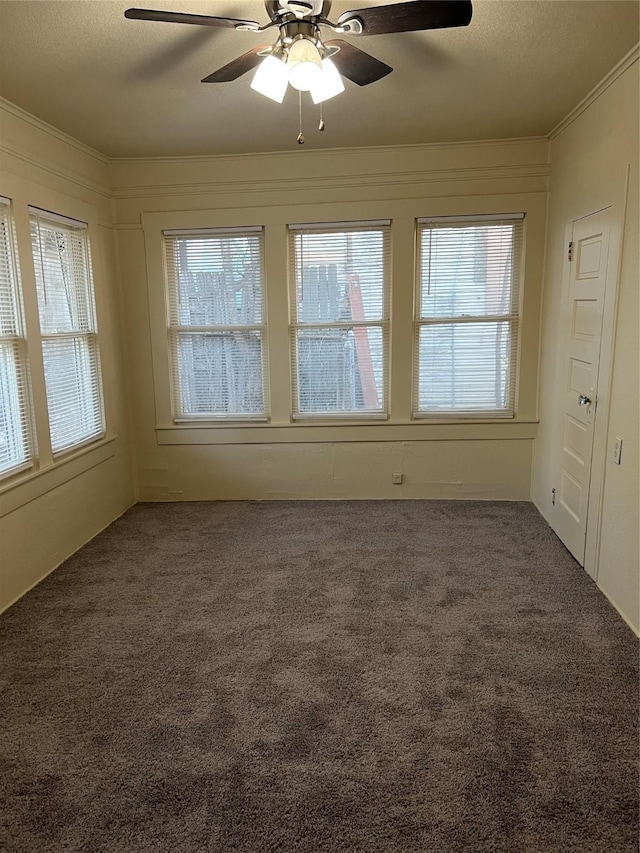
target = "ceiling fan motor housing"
x: 300, y: 8
x: 293, y: 30
x: 297, y: 8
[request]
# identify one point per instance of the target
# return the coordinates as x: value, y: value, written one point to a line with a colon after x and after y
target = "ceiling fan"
x: 301, y: 58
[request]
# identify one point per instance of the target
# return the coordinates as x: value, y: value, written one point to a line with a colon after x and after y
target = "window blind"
x: 70, y: 351
x: 215, y: 289
x: 466, y: 327
x: 339, y: 291
x: 16, y: 442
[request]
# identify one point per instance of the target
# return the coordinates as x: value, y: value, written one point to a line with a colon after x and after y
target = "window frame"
x: 89, y: 336
x: 141, y: 248
x: 47, y: 472
x: 384, y: 324
x: 18, y: 342
x: 514, y: 319
x: 174, y: 330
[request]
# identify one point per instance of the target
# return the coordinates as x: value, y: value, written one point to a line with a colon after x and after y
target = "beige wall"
x: 280, y: 460
x: 589, y: 160
x: 45, y: 518
x: 46, y: 515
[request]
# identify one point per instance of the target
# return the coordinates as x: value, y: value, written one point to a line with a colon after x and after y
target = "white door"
x: 583, y: 312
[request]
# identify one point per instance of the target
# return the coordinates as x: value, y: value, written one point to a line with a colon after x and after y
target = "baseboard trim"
x: 5, y: 607
x: 617, y: 609
x: 622, y: 615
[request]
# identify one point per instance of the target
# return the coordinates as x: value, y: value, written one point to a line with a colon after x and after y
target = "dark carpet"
x: 319, y: 676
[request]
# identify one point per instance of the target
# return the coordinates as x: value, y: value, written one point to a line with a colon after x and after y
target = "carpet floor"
x: 380, y: 677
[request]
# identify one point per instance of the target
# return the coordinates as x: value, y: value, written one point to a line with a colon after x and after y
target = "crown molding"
x: 310, y: 154
x: 625, y: 63
x: 50, y: 130
x: 314, y: 154
x: 57, y: 171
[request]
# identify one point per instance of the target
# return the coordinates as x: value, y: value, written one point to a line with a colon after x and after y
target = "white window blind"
x: 466, y: 327
x: 340, y: 319
x: 215, y: 285
x: 70, y: 352
x: 16, y: 443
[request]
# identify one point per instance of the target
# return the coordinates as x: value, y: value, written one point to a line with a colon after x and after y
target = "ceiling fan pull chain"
x: 300, y: 135
x: 321, y: 124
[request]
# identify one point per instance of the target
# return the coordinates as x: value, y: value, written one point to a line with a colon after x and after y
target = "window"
x: 340, y: 318
x: 68, y: 329
x: 16, y: 445
x: 216, y: 323
x: 466, y: 325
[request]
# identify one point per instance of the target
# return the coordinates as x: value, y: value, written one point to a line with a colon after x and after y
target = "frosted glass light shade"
x: 329, y: 85
x: 271, y: 78
x: 305, y: 68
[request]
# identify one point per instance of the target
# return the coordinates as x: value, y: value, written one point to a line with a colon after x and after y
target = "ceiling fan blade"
x: 187, y: 18
x: 237, y: 67
x: 356, y: 65
x: 411, y: 16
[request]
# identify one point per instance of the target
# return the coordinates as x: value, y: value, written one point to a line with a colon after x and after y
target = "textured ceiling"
x: 132, y: 88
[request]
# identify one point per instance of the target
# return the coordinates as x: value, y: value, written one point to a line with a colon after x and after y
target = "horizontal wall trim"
x: 128, y: 226
x: 304, y: 433
x: 266, y: 203
x: 137, y: 224
x: 625, y: 63
x: 301, y: 185
x: 53, y: 169
x: 37, y: 483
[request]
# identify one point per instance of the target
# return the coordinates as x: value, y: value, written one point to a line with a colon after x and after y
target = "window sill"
x: 24, y: 488
x: 339, y: 432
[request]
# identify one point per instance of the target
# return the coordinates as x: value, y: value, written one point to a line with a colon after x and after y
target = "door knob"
x: 584, y: 400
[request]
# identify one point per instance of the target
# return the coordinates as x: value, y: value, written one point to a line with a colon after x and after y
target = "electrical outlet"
x: 396, y: 478
x: 617, y: 450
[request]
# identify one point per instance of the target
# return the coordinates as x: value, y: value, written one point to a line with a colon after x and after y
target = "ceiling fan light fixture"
x: 304, y: 64
x: 300, y: 58
x: 271, y: 78
x: 329, y: 85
